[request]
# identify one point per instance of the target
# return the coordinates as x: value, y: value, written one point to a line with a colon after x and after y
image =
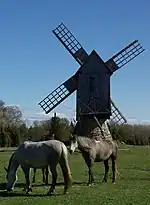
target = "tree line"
x: 13, y: 129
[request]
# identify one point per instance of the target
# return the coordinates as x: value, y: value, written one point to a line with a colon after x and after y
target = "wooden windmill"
x: 91, y: 81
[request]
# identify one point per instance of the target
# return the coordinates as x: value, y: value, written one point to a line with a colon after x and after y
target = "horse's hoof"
x: 66, y: 192
x: 90, y: 184
x: 50, y: 193
x: 104, y: 181
x: 27, y: 191
x: 30, y: 189
x: 9, y: 190
x: 24, y: 189
x: 6, y: 192
x: 46, y: 184
x: 114, y: 182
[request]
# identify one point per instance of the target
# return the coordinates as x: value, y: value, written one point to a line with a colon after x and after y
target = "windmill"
x: 91, y: 81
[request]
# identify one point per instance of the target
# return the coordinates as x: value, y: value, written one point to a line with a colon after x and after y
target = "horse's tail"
x: 64, y: 164
x: 118, y: 173
x: 116, y: 147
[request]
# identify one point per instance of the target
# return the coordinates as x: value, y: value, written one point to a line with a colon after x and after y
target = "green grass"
x: 132, y: 187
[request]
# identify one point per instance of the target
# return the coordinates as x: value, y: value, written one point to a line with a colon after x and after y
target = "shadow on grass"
x: 3, y: 192
x: 15, y: 194
x: 3, y: 185
x: 22, y: 185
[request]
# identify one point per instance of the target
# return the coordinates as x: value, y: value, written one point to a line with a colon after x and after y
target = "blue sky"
x: 33, y: 62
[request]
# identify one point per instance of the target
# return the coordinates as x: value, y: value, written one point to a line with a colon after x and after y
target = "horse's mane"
x: 85, y: 142
x: 10, y: 160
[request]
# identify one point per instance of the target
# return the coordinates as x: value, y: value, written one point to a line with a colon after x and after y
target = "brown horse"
x: 96, y: 151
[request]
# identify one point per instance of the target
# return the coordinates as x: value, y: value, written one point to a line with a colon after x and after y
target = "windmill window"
x: 91, y: 84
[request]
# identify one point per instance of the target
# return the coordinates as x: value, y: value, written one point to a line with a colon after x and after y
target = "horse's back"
x: 39, y: 154
x: 41, y: 144
x: 85, y: 142
x: 104, y: 149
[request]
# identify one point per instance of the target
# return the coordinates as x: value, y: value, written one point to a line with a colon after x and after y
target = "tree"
x: 23, y: 132
x: 10, y: 121
x: 2, y: 114
x: 13, y: 115
x: 60, y: 127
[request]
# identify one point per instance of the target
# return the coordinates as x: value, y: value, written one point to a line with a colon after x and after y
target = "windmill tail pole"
x: 99, y: 125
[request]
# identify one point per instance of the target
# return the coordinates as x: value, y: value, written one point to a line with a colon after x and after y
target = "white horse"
x: 39, y: 155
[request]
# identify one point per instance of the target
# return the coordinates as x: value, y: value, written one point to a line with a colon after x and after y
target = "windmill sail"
x: 78, y: 52
x: 125, y: 55
x: 58, y: 95
x: 117, y: 117
x: 71, y: 43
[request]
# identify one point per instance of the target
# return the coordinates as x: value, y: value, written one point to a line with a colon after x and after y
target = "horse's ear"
x: 6, y: 169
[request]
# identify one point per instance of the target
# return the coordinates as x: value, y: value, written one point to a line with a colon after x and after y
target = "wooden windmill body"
x: 92, y: 82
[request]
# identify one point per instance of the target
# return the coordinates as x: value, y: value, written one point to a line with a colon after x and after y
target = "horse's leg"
x: 43, y: 174
x: 34, y: 172
x: 47, y: 173
x: 89, y: 162
x: 90, y: 171
x: 91, y: 178
x: 106, y: 165
x: 26, y: 171
x: 114, y: 169
x: 54, y: 178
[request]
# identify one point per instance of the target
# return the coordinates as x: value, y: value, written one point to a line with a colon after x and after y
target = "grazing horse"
x: 45, y: 171
x: 96, y: 151
x: 39, y: 155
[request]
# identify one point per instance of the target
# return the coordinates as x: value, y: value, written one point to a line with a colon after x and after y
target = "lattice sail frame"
x: 116, y: 117
x: 58, y: 95
x: 54, y: 98
x: 71, y: 43
x: 81, y: 56
x: 125, y: 55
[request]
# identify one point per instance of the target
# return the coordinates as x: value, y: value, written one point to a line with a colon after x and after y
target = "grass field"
x: 132, y: 187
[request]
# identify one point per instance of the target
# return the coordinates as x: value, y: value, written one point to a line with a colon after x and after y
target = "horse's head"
x: 11, y: 178
x: 73, y: 144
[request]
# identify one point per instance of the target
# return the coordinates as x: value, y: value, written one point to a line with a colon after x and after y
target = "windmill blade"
x: 58, y: 95
x: 71, y: 43
x: 117, y: 117
x: 125, y: 55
